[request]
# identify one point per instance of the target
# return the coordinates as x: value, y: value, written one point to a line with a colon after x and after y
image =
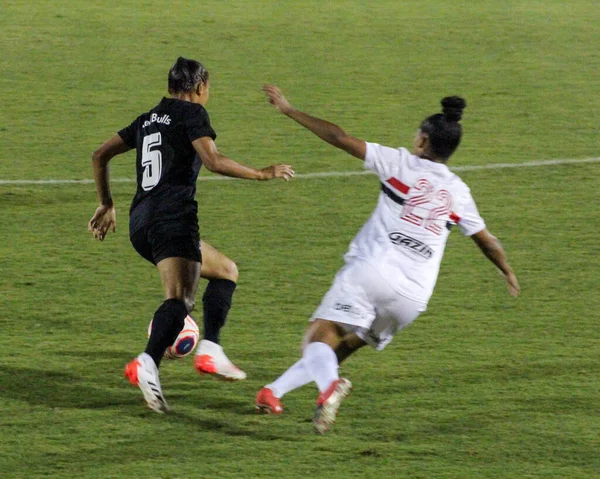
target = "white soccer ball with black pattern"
x: 186, y: 341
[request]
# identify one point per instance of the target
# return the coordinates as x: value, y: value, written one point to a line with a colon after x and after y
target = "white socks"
x: 293, y: 378
x: 321, y: 364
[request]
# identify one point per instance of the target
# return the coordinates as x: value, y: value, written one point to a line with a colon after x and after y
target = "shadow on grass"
x: 98, y: 355
x: 230, y: 428
x: 56, y: 389
x: 210, y: 400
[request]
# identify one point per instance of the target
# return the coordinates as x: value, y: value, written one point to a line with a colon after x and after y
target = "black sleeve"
x: 127, y: 134
x: 198, y: 125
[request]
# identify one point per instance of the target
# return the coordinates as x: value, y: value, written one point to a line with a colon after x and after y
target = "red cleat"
x: 131, y: 371
x: 205, y: 364
x: 328, y: 404
x: 266, y: 403
x: 143, y: 373
x: 210, y: 359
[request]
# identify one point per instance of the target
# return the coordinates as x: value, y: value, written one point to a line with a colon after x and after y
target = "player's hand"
x: 276, y: 98
x: 278, y: 171
x: 512, y: 284
x: 104, y: 219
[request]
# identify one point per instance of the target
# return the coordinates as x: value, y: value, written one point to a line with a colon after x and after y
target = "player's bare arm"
x: 493, y: 250
x: 223, y: 165
x: 329, y: 132
x: 105, y: 218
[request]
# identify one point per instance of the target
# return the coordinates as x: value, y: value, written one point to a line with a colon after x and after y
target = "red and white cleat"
x: 210, y: 359
x: 266, y: 403
x: 328, y: 404
x: 143, y: 373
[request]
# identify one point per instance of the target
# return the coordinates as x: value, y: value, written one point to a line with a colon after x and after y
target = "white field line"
x: 323, y: 174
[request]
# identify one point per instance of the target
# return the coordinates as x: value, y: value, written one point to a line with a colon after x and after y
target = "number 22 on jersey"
x: 151, y: 161
x: 434, y: 206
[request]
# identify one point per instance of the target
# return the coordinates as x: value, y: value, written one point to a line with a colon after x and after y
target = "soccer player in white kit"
x: 393, y: 262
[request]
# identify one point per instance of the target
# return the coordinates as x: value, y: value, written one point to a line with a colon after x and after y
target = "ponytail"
x: 185, y: 75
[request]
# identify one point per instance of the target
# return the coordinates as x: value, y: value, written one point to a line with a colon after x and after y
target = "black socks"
x: 217, y: 301
x: 167, y: 324
x: 170, y: 317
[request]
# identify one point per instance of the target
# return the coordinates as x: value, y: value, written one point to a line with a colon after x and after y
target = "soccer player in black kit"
x: 172, y: 141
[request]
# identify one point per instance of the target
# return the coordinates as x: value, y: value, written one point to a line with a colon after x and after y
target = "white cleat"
x: 328, y: 404
x: 210, y: 359
x: 143, y: 373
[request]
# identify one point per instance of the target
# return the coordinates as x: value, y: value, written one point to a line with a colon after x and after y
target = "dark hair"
x: 444, y: 129
x: 185, y: 75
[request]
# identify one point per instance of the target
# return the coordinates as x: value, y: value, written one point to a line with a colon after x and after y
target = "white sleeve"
x: 469, y: 221
x: 383, y: 160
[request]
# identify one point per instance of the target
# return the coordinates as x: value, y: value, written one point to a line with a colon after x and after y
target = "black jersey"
x: 167, y: 165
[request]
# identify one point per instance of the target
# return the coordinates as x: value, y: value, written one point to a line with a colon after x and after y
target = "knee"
x: 230, y: 271
x: 323, y: 331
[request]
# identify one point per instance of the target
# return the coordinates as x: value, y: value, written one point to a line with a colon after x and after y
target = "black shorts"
x: 168, y: 239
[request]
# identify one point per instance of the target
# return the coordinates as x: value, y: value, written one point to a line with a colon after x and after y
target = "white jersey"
x: 405, y: 237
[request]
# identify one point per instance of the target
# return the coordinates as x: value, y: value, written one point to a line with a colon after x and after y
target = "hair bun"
x: 183, y: 74
x: 186, y: 74
x: 453, y: 107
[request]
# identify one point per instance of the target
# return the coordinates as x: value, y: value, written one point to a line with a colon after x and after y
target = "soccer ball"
x: 186, y: 341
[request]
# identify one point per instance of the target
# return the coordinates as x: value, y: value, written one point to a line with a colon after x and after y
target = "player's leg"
x: 296, y: 376
x: 343, y: 325
x: 348, y: 345
x: 222, y: 275
x: 321, y: 363
x: 320, y: 360
x: 324, y: 342
x: 179, y: 277
x: 174, y: 248
x: 345, y: 308
x: 268, y: 398
x: 331, y: 335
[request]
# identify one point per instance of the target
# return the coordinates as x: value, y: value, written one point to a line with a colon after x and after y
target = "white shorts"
x: 361, y: 299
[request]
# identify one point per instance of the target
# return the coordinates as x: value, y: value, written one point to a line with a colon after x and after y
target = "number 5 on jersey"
x: 151, y: 161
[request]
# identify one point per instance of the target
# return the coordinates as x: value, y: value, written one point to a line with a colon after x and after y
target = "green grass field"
x: 481, y: 386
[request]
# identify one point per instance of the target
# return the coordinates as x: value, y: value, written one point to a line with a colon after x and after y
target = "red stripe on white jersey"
x: 454, y: 217
x: 412, y: 218
x: 396, y: 183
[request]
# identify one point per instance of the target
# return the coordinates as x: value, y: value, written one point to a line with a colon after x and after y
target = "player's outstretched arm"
x: 325, y: 130
x: 105, y: 218
x: 223, y: 165
x: 493, y: 250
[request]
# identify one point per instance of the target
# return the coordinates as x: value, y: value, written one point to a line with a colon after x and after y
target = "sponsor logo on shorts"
x: 347, y: 308
x: 412, y: 244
